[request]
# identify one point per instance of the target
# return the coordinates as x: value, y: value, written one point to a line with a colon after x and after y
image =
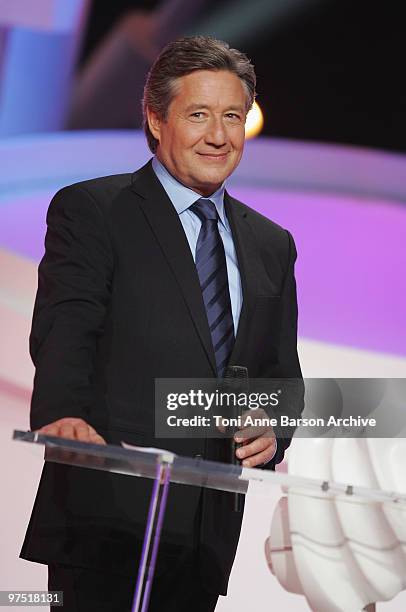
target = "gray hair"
x: 186, y: 55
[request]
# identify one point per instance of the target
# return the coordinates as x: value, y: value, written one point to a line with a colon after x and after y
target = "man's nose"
x: 216, y: 133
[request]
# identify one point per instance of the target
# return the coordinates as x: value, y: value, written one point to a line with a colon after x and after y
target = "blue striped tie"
x: 212, y: 271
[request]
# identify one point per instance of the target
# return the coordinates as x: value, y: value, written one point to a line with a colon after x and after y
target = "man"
x: 156, y: 274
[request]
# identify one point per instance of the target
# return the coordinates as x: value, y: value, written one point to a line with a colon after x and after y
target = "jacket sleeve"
x: 74, y: 285
x: 289, y: 366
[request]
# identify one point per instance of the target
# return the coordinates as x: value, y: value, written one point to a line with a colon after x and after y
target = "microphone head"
x: 235, y: 381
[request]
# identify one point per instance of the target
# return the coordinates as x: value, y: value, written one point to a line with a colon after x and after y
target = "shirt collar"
x: 183, y: 197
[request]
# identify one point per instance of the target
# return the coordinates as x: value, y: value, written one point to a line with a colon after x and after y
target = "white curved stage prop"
x: 341, y: 555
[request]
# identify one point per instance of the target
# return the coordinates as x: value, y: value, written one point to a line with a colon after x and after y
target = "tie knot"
x: 205, y: 209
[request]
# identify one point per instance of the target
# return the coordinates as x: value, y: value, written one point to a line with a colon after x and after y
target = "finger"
x: 249, y: 433
x: 264, y: 450
x: 81, y: 431
x: 67, y: 430
x: 54, y: 429
x: 257, y: 446
x: 252, y: 432
x: 260, y: 458
x: 257, y: 425
x: 49, y: 430
x: 96, y: 438
x: 86, y: 433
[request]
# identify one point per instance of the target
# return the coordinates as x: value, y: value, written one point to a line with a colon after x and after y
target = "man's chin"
x: 207, y: 187
x: 212, y: 179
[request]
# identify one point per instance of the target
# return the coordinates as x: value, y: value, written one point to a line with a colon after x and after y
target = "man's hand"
x: 258, y: 442
x: 73, y: 429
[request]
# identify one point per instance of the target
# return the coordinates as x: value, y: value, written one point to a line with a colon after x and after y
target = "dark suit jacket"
x: 118, y: 305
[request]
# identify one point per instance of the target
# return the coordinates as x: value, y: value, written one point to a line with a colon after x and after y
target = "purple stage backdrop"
x: 350, y: 237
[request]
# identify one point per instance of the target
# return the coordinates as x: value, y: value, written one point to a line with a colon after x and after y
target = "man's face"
x: 202, y: 139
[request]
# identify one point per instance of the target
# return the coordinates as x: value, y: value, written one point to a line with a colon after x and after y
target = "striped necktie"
x: 212, y: 271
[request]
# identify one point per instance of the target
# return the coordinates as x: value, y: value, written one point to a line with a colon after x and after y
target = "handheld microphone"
x: 235, y: 380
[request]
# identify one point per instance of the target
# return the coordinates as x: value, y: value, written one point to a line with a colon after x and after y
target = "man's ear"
x: 154, y: 123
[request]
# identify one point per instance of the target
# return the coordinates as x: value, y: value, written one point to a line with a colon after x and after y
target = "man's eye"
x: 197, y: 115
x: 233, y: 116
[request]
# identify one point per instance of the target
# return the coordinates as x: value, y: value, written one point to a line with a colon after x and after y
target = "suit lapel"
x: 249, y: 263
x: 167, y: 228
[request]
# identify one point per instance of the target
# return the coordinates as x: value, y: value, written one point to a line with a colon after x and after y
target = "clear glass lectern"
x: 164, y: 467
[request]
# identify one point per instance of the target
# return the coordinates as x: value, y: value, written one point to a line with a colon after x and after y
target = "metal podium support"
x: 153, y: 528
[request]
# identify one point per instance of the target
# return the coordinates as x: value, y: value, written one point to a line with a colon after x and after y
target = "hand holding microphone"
x: 256, y: 444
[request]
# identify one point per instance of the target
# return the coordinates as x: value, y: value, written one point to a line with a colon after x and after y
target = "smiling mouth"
x: 215, y: 156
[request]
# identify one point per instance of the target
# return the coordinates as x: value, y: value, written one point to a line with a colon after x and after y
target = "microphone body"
x: 235, y: 380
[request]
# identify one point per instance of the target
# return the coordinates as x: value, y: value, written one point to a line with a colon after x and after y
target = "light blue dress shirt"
x: 182, y: 198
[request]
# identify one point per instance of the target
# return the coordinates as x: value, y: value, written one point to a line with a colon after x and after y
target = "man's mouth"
x: 214, y: 156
